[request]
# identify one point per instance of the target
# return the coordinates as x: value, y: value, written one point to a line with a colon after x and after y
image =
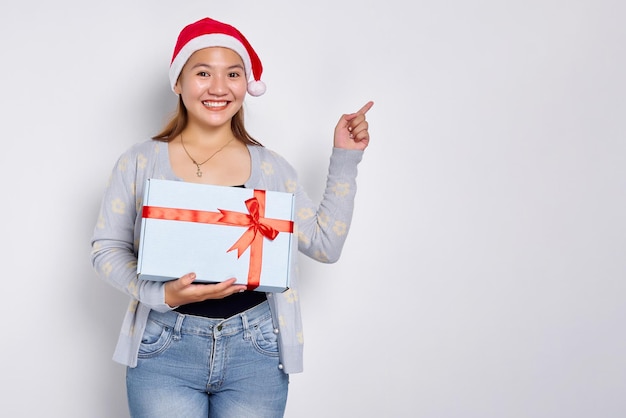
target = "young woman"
x: 216, y: 350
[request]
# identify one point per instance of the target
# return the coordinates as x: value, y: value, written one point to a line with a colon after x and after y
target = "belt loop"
x: 246, y: 327
x: 178, y: 326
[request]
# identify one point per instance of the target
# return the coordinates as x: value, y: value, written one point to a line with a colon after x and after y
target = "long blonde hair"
x: 179, y: 120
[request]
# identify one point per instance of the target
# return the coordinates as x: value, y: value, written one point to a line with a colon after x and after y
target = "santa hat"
x: 207, y: 33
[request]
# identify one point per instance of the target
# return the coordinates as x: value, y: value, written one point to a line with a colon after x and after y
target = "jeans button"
x: 219, y: 327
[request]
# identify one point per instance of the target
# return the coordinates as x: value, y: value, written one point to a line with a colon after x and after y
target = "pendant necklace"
x: 199, y: 172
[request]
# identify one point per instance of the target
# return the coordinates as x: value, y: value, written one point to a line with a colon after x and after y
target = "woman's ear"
x: 177, y: 87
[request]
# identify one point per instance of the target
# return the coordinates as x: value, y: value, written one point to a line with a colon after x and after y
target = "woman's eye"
x: 203, y: 74
x: 234, y: 75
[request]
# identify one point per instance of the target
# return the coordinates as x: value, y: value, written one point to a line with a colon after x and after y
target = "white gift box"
x: 218, y: 232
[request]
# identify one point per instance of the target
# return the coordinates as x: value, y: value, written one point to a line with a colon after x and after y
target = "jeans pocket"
x: 156, y: 338
x: 264, y: 339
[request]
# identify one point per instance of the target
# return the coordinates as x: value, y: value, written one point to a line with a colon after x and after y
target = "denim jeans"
x: 191, y: 367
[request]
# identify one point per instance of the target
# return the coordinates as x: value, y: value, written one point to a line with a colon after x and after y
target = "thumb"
x: 345, y: 119
x: 187, y: 279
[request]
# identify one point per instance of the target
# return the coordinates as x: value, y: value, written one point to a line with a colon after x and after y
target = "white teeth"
x: 214, y: 104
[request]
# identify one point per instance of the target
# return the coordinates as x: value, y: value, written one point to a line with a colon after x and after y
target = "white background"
x: 484, y: 275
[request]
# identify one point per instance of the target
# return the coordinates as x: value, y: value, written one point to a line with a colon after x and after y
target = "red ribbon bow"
x: 254, y: 222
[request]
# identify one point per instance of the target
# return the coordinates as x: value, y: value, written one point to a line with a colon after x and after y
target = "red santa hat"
x: 206, y: 33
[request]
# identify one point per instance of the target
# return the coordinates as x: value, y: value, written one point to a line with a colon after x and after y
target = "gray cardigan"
x: 321, y: 231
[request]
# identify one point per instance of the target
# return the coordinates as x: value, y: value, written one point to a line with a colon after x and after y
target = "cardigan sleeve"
x: 322, y: 229
x: 114, y: 246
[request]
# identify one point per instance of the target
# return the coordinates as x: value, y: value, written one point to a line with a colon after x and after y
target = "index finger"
x: 365, y: 108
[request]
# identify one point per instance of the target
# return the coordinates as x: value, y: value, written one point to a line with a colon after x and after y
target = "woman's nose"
x: 218, y: 85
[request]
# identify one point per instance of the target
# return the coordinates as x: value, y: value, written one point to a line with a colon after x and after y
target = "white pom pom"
x: 256, y: 88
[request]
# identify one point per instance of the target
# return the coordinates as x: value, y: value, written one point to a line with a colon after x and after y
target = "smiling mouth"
x: 215, y: 105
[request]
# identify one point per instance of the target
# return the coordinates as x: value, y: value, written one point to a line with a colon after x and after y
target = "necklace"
x: 199, y: 172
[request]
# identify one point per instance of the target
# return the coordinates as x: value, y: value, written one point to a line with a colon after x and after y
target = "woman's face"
x: 212, y: 85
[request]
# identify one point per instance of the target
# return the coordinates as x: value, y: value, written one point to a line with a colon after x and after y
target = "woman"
x: 196, y: 349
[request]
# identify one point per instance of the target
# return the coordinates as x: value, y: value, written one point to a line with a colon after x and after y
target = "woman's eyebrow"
x: 234, y: 66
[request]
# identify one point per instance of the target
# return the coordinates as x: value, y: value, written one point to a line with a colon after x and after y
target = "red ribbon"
x: 258, y: 227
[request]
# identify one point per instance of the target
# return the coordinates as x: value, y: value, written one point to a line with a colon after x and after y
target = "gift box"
x: 218, y: 232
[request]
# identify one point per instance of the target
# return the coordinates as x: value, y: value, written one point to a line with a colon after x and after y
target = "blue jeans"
x: 191, y: 367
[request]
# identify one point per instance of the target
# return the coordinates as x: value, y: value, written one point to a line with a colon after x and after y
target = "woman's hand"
x: 183, y: 290
x: 351, y: 130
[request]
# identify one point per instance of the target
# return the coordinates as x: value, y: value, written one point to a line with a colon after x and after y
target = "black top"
x: 224, y: 308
